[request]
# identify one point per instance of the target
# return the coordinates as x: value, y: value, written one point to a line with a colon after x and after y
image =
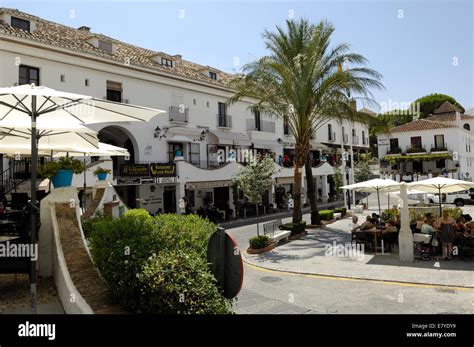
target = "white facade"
x: 197, y: 101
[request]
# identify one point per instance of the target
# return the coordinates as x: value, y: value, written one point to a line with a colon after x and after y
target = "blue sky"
x: 429, y: 49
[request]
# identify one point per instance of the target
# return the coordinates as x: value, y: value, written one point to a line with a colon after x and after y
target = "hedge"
x: 341, y: 210
x: 258, y: 242
x: 147, y: 261
x: 294, y: 228
x: 326, y: 214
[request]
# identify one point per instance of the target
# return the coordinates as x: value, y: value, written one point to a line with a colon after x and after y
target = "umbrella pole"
x: 49, y: 183
x: 33, y: 207
x: 85, y: 185
x: 439, y: 199
x: 378, y: 200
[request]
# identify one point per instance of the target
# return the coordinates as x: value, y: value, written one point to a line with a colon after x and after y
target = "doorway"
x: 169, y: 199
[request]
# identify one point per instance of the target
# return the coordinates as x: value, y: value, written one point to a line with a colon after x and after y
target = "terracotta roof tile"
x: 420, y: 125
x: 446, y: 107
x: 449, y: 117
x: 62, y: 36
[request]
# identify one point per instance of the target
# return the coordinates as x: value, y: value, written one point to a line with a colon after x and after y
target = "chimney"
x: 84, y: 28
x: 353, y: 105
x: 178, y: 56
x: 458, y: 119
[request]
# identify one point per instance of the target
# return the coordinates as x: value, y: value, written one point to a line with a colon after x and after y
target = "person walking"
x: 446, y: 227
x: 290, y: 202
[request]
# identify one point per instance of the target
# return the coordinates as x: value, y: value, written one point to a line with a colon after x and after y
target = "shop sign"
x: 134, y: 170
x: 163, y: 170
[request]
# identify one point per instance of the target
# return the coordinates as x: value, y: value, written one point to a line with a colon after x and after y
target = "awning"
x: 231, y: 139
x: 285, y: 180
x: 208, y: 184
x: 317, y: 145
x: 179, y: 138
x: 265, y: 144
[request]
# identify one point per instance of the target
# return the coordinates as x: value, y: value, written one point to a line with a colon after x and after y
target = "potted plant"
x: 102, y: 173
x: 60, y: 172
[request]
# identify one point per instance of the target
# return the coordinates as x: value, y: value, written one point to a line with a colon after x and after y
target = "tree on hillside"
x: 431, y: 102
x: 254, y: 179
x: 302, y: 82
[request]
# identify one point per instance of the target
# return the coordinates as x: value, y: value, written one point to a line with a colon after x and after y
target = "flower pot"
x: 101, y: 176
x: 62, y: 179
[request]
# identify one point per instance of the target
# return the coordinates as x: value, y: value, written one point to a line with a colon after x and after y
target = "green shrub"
x: 52, y: 168
x: 258, y: 242
x: 326, y: 215
x: 390, y: 214
x: 88, y: 225
x: 294, y: 228
x: 341, y: 210
x: 455, y: 212
x: 134, y: 250
x: 179, y: 282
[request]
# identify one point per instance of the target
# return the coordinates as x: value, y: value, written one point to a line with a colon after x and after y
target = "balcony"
x: 355, y: 140
x: 395, y: 150
x: 264, y: 125
x: 178, y: 114
x: 439, y: 148
x: 224, y: 121
x: 332, y: 137
x: 414, y: 149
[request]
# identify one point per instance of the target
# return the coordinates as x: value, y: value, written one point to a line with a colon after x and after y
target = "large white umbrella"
x: 440, y: 185
x: 30, y: 103
x: 375, y: 185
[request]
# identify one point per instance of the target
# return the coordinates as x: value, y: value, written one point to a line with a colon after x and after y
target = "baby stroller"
x: 422, y: 246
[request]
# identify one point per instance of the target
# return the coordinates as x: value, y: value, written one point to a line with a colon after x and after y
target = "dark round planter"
x: 62, y: 179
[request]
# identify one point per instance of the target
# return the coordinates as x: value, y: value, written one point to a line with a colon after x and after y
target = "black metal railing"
x: 179, y: 114
x: 224, y: 121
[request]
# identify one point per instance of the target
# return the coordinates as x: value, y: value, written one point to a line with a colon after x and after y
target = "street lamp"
x: 348, y: 170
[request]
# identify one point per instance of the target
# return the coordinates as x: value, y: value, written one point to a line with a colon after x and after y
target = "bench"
x: 337, y: 215
x: 272, y: 230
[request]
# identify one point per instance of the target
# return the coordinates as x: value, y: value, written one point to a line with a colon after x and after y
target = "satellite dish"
x: 225, y: 262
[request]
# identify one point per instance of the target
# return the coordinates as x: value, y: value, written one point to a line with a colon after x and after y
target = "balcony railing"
x: 264, y: 125
x: 355, y: 140
x: 365, y: 140
x: 179, y: 114
x: 443, y: 147
x: 224, y: 121
x: 416, y: 149
x: 332, y: 137
x: 395, y: 150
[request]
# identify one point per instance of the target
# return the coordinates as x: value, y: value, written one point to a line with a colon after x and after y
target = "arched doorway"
x: 121, y: 137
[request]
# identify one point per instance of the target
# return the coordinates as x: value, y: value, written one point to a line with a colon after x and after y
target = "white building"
x: 198, y: 122
x: 438, y: 144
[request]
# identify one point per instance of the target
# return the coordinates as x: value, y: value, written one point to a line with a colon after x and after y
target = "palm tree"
x: 302, y: 83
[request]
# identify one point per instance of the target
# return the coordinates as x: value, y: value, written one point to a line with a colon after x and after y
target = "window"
x: 20, y: 24
x: 222, y: 108
x: 353, y: 132
x: 86, y: 82
x: 213, y: 76
x: 194, y: 101
x: 175, y: 150
x: 364, y: 142
x: 394, y: 144
x: 257, y: 120
x: 467, y: 127
x: 63, y: 78
x: 207, y: 104
x: 114, y: 91
x: 330, y: 134
x: 440, y: 164
x: 106, y: 46
x: 194, y: 153
x: 415, y: 142
x: 439, y: 141
x: 222, y: 114
x: 29, y: 75
x: 286, y: 128
x: 166, y: 62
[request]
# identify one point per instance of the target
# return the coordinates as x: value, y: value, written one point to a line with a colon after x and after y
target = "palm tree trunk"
x: 297, y: 192
x: 315, y: 218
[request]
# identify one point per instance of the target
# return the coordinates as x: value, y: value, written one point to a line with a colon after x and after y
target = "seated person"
x: 460, y: 227
x: 419, y: 222
x: 354, y: 225
x: 390, y: 227
x: 428, y: 226
x: 367, y: 225
x: 469, y: 229
x: 375, y: 219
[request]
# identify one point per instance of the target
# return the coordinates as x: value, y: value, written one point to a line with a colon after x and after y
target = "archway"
x: 121, y: 137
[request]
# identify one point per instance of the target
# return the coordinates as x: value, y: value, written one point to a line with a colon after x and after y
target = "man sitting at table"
x: 427, y: 227
x: 367, y: 225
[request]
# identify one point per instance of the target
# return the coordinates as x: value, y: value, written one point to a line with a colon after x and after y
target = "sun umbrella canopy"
x: 104, y: 149
x: 374, y: 185
x: 53, y: 105
x: 440, y: 185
